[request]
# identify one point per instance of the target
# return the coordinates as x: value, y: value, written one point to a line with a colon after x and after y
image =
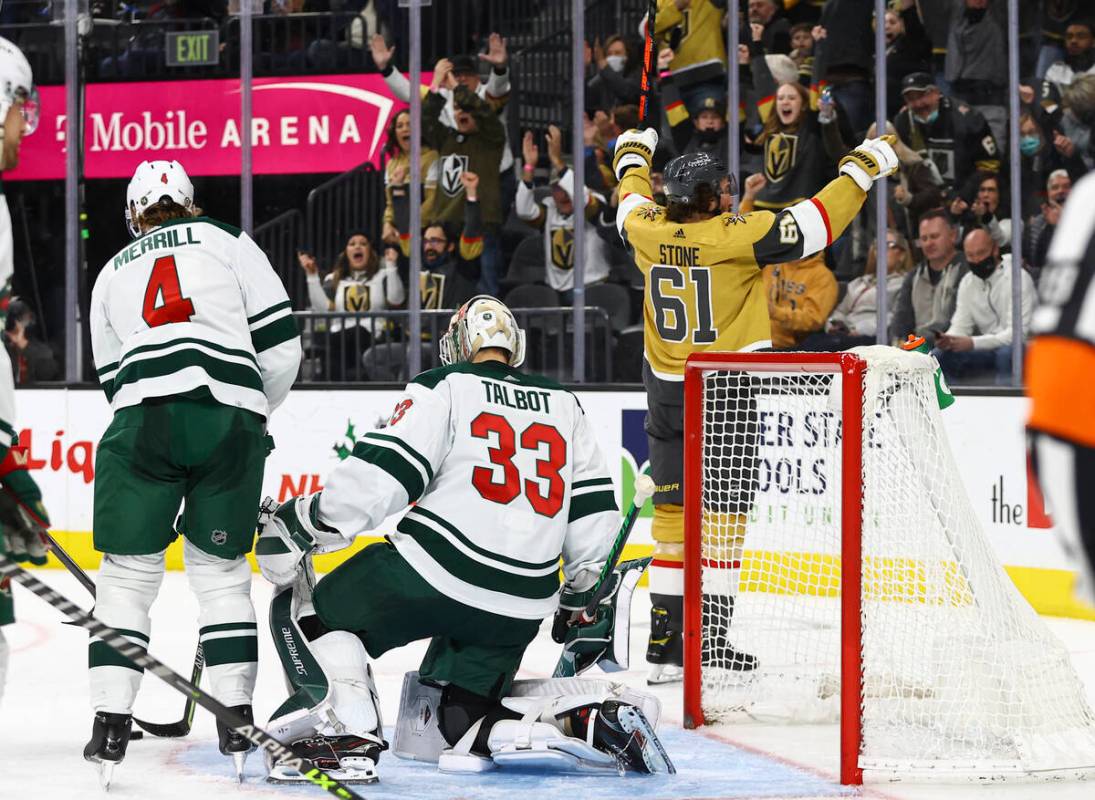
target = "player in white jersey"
x: 505, y: 476
x: 195, y: 345
x: 20, y: 531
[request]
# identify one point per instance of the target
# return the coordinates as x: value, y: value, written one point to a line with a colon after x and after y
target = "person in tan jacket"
x: 801, y: 295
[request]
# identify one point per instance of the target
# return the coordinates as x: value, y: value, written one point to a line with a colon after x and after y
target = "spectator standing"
x: 555, y: 216
x: 32, y: 360
x: 979, y: 339
x: 776, y: 30
x: 1079, y: 55
x: 397, y: 151
x: 474, y: 145
x: 1056, y: 17
x: 952, y: 135
x: 844, y: 60
x: 693, y: 30
x: 926, y: 301
x: 797, y: 162
x: 451, y: 260
x: 802, y: 51
x: 976, y: 65
x: 854, y: 321
x: 908, y: 50
x: 1039, y: 231
x: 613, y: 74
x: 801, y: 295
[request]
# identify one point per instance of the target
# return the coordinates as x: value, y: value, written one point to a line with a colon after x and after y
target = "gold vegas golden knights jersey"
x: 704, y: 289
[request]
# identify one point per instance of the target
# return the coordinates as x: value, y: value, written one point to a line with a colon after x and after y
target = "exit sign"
x: 193, y: 48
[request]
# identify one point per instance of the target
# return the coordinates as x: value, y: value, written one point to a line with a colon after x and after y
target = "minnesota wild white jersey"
x: 8, y: 434
x: 506, y: 476
x: 194, y: 304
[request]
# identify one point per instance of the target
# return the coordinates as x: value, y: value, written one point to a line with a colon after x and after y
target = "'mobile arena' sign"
x: 323, y: 123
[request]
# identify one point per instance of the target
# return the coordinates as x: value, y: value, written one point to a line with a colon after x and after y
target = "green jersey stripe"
x: 6, y: 428
x: 450, y: 559
x: 107, y: 368
x: 278, y: 331
x: 216, y: 369
x: 513, y: 562
x: 267, y: 312
x: 410, y: 450
x: 108, y: 389
x: 591, y: 482
x: 228, y: 626
x: 149, y: 348
x: 593, y: 503
x: 395, y: 464
x: 236, y: 650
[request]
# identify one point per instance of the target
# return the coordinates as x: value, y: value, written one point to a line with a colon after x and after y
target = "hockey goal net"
x: 835, y: 569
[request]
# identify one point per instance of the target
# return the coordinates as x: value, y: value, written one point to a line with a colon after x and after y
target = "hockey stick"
x: 644, y: 490
x: 167, y: 730
x: 650, y: 58
x: 253, y: 733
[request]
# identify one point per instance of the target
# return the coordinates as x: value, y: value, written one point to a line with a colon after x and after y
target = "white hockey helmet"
x: 483, y: 321
x: 17, y: 83
x: 153, y: 181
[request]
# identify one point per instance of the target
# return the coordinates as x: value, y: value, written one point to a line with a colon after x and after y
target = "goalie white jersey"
x: 8, y: 435
x: 194, y: 303
x: 506, y: 475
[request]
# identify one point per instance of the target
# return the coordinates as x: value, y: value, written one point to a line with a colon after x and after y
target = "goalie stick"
x: 644, y: 490
x: 115, y: 640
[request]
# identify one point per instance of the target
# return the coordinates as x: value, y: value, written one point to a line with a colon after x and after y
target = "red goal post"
x: 852, y: 370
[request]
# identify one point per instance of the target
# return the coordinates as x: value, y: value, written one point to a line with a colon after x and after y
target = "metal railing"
x: 350, y: 202
x: 374, y: 346
x: 281, y: 238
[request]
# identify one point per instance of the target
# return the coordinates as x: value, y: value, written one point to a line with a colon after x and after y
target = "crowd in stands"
x: 499, y: 204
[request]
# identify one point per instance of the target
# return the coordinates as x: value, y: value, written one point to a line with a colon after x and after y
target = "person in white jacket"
x: 979, y: 339
x: 854, y: 321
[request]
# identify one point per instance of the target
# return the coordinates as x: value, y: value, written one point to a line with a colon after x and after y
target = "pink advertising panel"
x: 325, y: 123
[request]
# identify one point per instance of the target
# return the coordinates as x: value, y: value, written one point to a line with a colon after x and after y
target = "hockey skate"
x: 109, y: 739
x: 349, y: 759
x: 235, y: 744
x: 664, y: 649
x: 717, y: 652
x: 623, y: 730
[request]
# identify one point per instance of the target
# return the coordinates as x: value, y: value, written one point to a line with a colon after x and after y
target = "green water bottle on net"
x: 919, y: 344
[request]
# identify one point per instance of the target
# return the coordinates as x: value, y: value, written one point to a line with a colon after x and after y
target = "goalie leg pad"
x: 228, y: 632
x: 126, y: 589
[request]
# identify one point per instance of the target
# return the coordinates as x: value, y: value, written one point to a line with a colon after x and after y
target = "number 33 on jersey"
x: 193, y: 303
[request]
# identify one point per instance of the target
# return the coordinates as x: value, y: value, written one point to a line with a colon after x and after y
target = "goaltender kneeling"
x: 501, y: 491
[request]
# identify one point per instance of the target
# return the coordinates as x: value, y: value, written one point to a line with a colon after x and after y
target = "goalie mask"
x: 482, y: 322
x: 17, y: 83
x: 152, y: 182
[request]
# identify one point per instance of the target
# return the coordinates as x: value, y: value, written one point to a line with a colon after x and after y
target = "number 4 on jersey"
x: 163, y: 300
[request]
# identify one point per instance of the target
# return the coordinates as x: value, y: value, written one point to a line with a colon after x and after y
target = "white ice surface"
x: 45, y: 721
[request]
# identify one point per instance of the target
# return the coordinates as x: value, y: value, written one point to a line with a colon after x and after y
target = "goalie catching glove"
x: 288, y: 533
x: 603, y: 640
x: 634, y: 148
x: 873, y: 159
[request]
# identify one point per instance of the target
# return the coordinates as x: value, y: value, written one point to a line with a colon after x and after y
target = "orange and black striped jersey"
x: 703, y: 284
x: 1060, y: 367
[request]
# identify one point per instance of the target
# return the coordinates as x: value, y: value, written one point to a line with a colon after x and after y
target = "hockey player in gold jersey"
x: 704, y: 291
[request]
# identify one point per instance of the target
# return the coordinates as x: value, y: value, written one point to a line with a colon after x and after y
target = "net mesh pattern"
x: 959, y: 673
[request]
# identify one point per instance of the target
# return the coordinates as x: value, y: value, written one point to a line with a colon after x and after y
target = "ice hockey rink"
x: 47, y: 721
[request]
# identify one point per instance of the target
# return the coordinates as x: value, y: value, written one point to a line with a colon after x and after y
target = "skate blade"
x: 633, y: 721
x: 664, y: 673
x: 358, y: 775
x: 106, y: 774
x: 238, y: 760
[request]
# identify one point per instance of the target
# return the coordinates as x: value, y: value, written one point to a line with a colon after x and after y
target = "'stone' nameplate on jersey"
x: 159, y: 240
x: 678, y: 255
x: 512, y: 397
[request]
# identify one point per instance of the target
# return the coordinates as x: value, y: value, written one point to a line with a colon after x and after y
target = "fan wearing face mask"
x: 977, y: 346
x: 613, y: 73
x: 949, y: 133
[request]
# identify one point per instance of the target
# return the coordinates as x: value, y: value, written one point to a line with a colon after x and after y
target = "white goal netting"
x: 959, y: 674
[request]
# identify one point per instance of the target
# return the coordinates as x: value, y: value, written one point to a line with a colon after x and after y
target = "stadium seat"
x: 527, y: 264
x: 614, y: 299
